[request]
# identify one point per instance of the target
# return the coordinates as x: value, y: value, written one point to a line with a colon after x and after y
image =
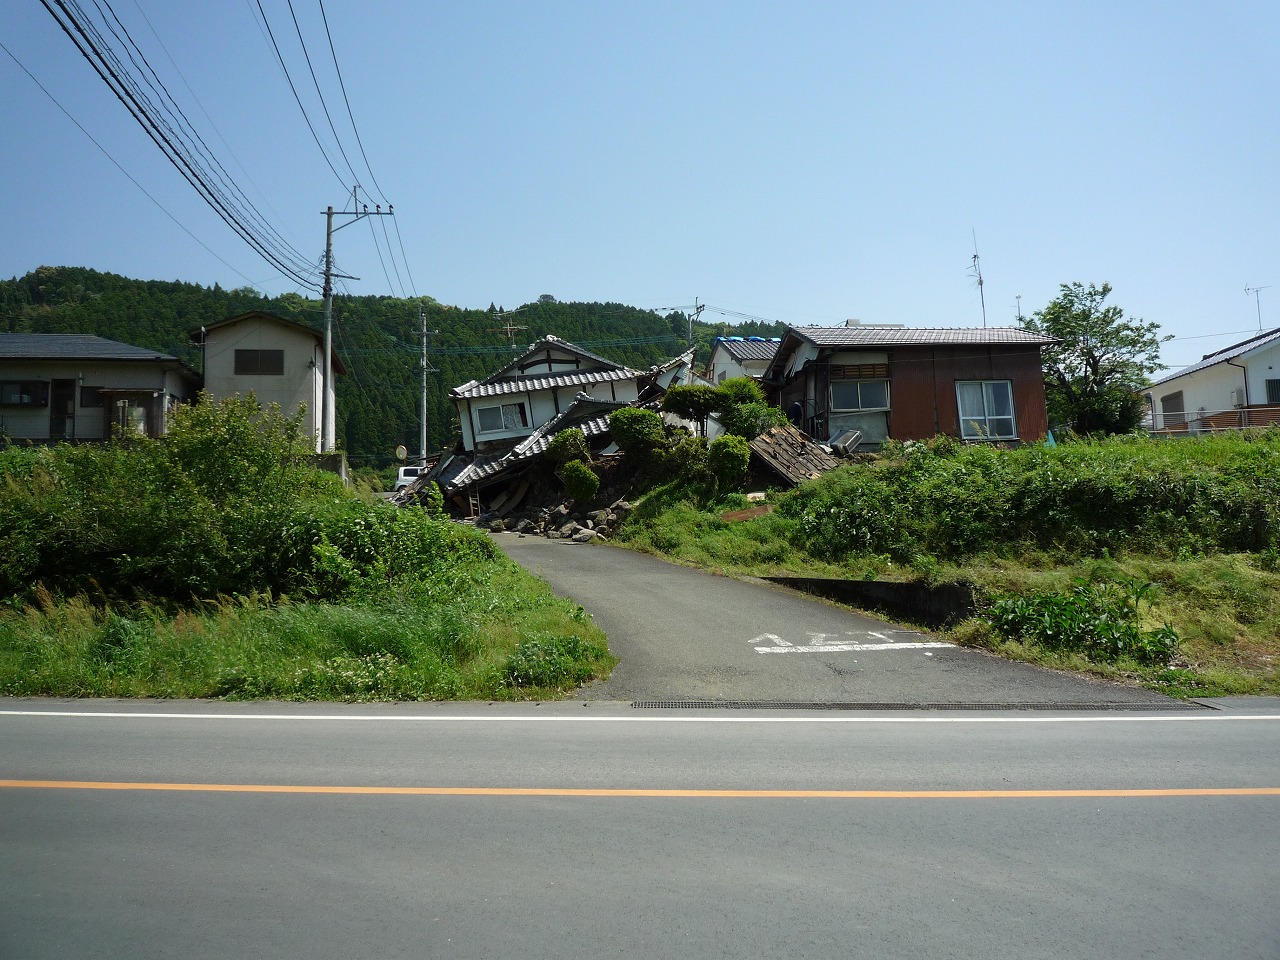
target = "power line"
x: 79, y: 33
x: 280, y: 59
x: 130, y: 176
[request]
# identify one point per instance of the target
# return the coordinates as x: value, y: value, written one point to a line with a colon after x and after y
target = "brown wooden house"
x: 901, y: 383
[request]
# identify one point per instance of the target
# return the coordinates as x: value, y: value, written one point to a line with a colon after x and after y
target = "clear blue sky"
x: 805, y: 162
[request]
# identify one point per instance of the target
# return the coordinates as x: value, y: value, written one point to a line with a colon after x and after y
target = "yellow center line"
x: 666, y: 794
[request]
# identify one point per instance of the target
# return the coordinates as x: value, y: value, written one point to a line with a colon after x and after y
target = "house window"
x: 1273, y: 391
x: 1173, y: 410
x: 91, y: 397
x: 986, y: 409
x: 24, y: 393
x: 509, y: 416
x: 259, y: 363
x: 859, y: 395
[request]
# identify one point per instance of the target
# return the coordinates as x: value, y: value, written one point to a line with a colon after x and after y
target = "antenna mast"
x: 1257, y: 300
x: 977, y: 272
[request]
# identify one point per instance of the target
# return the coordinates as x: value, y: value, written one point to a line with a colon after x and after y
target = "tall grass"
x: 216, y: 563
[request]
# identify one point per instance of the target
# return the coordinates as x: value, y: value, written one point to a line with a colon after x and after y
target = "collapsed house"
x: 508, y: 419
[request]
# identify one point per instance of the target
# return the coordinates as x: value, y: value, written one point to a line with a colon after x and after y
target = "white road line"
x: 828, y: 647
x: 528, y: 718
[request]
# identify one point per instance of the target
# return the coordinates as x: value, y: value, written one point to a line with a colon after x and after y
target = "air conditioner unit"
x: 846, y: 442
x: 1237, y: 397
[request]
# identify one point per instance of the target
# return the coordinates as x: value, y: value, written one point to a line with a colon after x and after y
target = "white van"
x: 406, y: 476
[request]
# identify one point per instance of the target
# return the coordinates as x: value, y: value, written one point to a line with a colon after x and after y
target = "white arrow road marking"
x: 784, y: 647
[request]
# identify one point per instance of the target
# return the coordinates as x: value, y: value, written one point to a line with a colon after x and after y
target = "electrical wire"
x: 280, y: 59
x: 80, y: 35
x: 119, y: 167
x: 182, y: 128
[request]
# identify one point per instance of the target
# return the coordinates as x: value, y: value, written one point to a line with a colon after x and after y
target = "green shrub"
x: 728, y: 458
x: 693, y: 401
x: 580, y: 482
x: 569, y: 445
x: 749, y: 420
x: 1098, y: 619
x: 638, y: 433
x: 740, y: 390
x: 549, y: 661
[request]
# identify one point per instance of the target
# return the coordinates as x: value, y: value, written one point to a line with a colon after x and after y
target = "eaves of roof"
x: 478, y: 388
x: 1225, y: 354
x: 74, y: 346
x: 916, y: 336
x: 550, y: 342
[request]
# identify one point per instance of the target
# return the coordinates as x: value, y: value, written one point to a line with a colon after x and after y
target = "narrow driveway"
x: 682, y: 634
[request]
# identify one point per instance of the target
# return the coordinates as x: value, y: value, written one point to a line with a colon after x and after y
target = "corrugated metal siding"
x: 920, y: 376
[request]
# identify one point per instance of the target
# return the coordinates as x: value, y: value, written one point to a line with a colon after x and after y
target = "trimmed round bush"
x: 580, y: 482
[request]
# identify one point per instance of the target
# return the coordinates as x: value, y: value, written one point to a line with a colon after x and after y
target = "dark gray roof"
x: 550, y: 342
x: 866, y: 336
x: 73, y: 346
x: 481, y: 388
x: 741, y: 350
x: 1225, y: 354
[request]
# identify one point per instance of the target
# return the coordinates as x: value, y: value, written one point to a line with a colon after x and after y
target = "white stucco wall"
x: 1209, y: 391
x: 298, y: 386
x: 88, y: 423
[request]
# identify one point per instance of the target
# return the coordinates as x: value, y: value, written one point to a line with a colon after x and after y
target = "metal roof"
x: 74, y: 346
x: 480, y: 388
x: 748, y: 349
x: 1225, y: 354
x: 866, y: 336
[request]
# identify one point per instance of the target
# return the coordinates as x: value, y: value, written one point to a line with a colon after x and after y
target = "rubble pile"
x: 564, y: 521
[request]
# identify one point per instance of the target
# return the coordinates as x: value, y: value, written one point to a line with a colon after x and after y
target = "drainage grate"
x: 1165, y: 706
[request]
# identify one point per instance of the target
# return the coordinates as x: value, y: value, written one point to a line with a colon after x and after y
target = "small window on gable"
x: 508, y: 416
x: 259, y: 363
x: 986, y: 409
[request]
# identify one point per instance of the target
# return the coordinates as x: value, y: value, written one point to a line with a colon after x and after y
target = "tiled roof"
x: 1225, y: 354
x: 550, y: 342
x: 72, y: 346
x: 864, y: 336
x: 478, y: 388
x: 749, y: 349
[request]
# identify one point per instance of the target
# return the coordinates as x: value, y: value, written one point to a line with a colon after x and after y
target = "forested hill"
x: 377, y: 338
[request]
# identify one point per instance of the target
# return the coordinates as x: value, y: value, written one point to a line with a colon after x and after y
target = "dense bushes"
x: 1099, y: 619
x: 1164, y: 497
x: 224, y: 505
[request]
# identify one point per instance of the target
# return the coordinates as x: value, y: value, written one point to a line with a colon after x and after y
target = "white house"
x: 740, y: 357
x: 277, y: 360
x: 81, y: 387
x: 502, y: 409
x: 1238, y: 386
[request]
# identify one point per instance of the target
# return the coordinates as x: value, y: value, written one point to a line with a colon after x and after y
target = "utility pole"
x: 327, y: 415
x: 422, y: 320
x: 697, y: 312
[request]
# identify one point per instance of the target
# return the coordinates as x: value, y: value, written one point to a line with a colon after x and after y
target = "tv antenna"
x: 977, y: 272
x: 508, y: 327
x: 1257, y: 300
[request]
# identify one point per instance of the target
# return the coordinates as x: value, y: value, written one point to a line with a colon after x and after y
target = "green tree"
x: 728, y: 458
x: 693, y: 401
x: 1094, y: 373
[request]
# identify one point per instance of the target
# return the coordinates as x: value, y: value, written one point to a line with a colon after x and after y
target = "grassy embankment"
x: 1081, y: 554
x: 215, y: 563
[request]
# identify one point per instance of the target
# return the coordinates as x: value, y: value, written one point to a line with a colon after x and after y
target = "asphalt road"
x: 582, y: 830
x: 682, y: 634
